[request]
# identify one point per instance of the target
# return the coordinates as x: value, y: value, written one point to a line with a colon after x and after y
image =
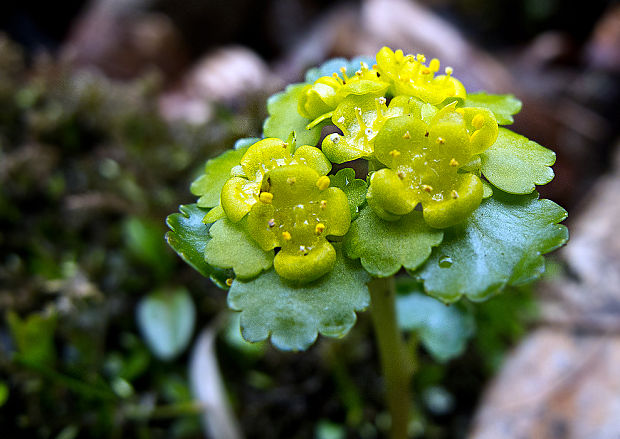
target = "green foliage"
x: 4, y: 393
x: 354, y: 188
x: 386, y: 246
x: 284, y: 119
x: 188, y: 236
x: 231, y: 247
x: 34, y: 337
x: 449, y: 196
x: 217, y: 170
x: 443, y: 330
x: 166, y: 320
x: 502, y: 106
x: 292, y: 316
x: 515, y: 164
x: 501, y: 244
x: 143, y: 239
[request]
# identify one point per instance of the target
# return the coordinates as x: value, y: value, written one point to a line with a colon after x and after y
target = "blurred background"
x: 109, y: 109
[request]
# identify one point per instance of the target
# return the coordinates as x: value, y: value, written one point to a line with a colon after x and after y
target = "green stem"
x: 397, y: 363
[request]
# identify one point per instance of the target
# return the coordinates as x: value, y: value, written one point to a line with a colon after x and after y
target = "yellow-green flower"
x: 410, y: 76
x: 296, y: 211
x: 425, y: 164
x: 324, y: 95
x: 243, y: 189
x: 360, y: 118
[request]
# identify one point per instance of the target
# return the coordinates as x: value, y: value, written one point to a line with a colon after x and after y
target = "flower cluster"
x: 429, y: 146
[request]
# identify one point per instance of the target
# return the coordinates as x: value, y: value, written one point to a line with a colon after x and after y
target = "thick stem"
x: 396, y: 360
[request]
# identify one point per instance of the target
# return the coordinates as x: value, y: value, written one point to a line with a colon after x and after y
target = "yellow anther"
x: 454, y: 163
x: 454, y: 195
x: 229, y: 281
x: 427, y: 188
x: 478, y: 121
x: 323, y: 204
x: 271, y: 222
x: 291, y: 180
x: 266, y: 197
x: 286, y: 236
x: 440, y: 140
x: 395, y: 153
x: 434, y: 65
x: 406, y: 135
x: 320, y: 228
x: 449, y: 71
x: 323, y: 183
x: 399, y: 55
x: 425, y: 71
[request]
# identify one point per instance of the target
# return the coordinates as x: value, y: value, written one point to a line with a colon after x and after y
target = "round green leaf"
x: 293, y: 315
x: 502, y: 106
x: 443, y: 330
x: 386, y: 246
x: 515, y: 164
x: 232, y: 247
x: 166, y: 321
x: 284, y: 118
x: 501, y: 243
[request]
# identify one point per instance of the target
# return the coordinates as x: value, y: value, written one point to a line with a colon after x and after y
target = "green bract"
x: 449, y: 196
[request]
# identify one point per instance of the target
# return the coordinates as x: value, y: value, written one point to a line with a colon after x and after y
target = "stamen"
x: 454, y: 163
x: 323, y: 204
x: 454, y: 195
x: 401, y: 175
x: 323, y: 182
x: 335, y: 138
x: 407, y: 135
x: 266, y: 197
x: 395, y: 153
x: 320, y: 228
x: 286, y: 236
x: 441, y: 140
x: 434, y: 65
x: 427, y: 188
